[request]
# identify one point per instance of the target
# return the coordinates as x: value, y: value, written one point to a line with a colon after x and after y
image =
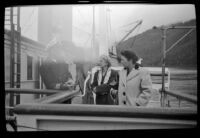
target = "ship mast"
x: 93, y: 34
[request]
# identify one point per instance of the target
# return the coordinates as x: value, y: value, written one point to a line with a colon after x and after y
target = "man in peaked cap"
x: 54, y: 70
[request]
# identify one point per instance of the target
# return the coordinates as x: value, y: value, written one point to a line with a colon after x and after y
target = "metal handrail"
x: 9, y: 107
x: 31, y: 91
x: 101, y: 110
x: 58, y: 97
x: 182, y: 96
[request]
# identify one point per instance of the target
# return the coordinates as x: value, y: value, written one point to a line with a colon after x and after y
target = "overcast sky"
x: 120, y: 15
x: 151, y: 15
x: 124, y: 14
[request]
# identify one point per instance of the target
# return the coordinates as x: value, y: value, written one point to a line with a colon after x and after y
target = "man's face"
x: 124, y: 61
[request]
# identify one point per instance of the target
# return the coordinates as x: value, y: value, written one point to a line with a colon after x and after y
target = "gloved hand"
x: 113, y: 93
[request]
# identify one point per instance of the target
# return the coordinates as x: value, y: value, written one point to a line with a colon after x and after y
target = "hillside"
x: 148, y: 45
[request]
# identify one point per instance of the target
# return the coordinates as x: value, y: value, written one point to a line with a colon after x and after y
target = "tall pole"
x: 107, y: 25
x: 12, y: 50
x: 12, y: 67
x: 93, y: 34
x: 164, y: 29
x: 18, y: 54
x: 163, y: 66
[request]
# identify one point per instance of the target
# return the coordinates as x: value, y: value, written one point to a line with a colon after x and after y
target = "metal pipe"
x: 30, y: 91
x: 18, y: 54
x: 165, y: 51
x: 58, y: 97
x: 9, y: 107
x: 12, y: 67
x: 130, y: 32
x: 182, y: 96
x: 93, y: 32
x: 103, y: 111
x: 163, y: 67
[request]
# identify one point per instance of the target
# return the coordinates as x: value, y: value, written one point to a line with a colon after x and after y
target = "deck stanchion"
x: 163, y: 67
x: 164, y: 29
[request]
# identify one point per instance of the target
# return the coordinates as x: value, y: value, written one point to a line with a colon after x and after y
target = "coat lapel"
x: 123, y: 77
x: 107, y: 76
x: 132, y: 74
x: 99, y: 77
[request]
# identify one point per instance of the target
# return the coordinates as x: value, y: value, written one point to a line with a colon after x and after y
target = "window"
x: 29, y: 68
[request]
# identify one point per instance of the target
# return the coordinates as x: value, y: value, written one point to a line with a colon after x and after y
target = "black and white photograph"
x: 100, y: 66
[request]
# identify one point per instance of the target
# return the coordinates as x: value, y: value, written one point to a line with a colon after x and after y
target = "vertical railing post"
x: 164, y: 29
x: 163, y: 67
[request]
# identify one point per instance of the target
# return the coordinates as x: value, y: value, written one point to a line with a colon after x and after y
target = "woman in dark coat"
x: 103, y: 81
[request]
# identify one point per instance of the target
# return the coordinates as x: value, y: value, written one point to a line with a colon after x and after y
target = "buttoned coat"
x: 135, y: 89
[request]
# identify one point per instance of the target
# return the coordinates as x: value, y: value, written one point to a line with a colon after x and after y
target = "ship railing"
x: 180, y: 97
x: 39, y: 113
x: 66, y: 117
x: 53, y: 96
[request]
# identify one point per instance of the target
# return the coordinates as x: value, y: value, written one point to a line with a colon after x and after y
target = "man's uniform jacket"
x: 53, y: 73
x: 136, y: 88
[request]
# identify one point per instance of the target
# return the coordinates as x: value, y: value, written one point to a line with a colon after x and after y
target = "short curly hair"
x: 106, y: 59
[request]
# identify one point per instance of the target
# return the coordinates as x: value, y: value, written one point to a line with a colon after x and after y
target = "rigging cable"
x: 28, y: 20
x: 129, y: 24
x: 135, y: 36
x: 30, y: 25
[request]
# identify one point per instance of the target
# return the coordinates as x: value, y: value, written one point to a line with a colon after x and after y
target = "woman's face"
x: 103, y: 63
x: 124, y: 61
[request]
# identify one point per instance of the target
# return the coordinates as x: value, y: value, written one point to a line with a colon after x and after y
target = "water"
x: 181, y: 80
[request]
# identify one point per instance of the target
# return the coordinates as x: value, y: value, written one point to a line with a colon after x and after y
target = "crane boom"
x: 140, y: 22
x: 111, y: 54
